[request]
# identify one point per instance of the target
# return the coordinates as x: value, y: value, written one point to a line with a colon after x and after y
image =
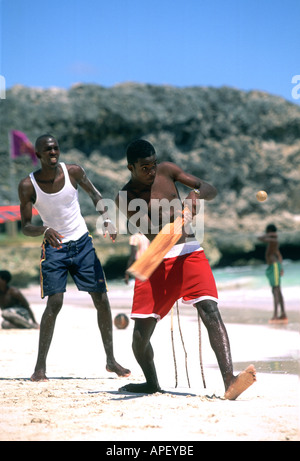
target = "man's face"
x: 144, y: 170
x: 49, y: 152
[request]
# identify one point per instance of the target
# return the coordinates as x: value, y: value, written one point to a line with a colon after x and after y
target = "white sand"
x: 81, y: 400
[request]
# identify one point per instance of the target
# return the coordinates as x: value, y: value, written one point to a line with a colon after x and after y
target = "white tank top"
x: 61, y: 210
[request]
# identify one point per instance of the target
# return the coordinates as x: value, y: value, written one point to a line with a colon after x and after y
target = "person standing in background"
x: 274, y: 272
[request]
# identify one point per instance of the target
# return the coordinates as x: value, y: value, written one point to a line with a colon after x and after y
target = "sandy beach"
x: 81, y: 401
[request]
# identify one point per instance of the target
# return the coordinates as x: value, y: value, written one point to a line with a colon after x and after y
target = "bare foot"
x: 114, y: 367
x: 273, y: 320
x: 39, y: 376
x: 282, y: 319
x: 144, y: 388
x: 276, y: 320
x: 240, y: 383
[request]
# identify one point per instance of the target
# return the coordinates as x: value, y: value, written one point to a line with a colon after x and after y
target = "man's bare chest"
x: 152, y: 199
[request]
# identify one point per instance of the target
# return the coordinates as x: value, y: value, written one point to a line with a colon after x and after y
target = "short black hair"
x: 40, y: 139
x: 5, y: 275
x: 271, y: 228
x: 139, y: 148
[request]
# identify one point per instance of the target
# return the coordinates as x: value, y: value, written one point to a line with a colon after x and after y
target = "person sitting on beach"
x: 16, y: 312
x: 274, y: 272
x: 184, y: 272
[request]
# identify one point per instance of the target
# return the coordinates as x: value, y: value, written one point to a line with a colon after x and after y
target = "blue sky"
x: 245, y: 44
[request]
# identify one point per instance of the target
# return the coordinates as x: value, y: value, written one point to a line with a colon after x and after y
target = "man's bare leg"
x: 283, y: 317
x: 278, y: 301
x: 53, y: 307
x: 143, y: 353
x: 234, y: 385
x: 105, y: 326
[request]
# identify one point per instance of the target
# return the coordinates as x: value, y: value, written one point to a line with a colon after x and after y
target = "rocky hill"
x: 241, y: 142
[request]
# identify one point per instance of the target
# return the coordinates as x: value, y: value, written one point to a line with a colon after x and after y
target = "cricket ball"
x: 261, y: 195
x: 121, y: 321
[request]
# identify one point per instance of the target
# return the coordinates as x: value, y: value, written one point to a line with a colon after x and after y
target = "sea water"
x: 253, y: 276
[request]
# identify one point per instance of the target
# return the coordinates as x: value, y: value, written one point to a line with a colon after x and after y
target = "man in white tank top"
x: 67, y: 247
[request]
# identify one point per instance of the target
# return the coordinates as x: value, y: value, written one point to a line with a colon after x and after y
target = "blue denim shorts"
x: 77, y: 258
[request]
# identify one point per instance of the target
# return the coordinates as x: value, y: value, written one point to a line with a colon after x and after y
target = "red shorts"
x: 187, y: 276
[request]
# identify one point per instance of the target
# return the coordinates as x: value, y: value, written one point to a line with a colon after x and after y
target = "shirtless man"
x: 274, y: 271
x: 15, y: 308
x: 67, y: 245
x: 184, y: 273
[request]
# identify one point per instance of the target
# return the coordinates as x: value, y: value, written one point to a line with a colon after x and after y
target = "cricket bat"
x: 144, y: 267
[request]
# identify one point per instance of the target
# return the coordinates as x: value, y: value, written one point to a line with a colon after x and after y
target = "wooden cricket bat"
x: 144, y: 267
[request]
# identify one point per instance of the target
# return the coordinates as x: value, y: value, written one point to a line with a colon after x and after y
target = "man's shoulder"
x: 25, y: 182
x: 127, y: 187
x: 166, y: 165
x: 13, y: 291
x: 167, y: 168
x: 125, y: 194
x: 75, y: 171
x: 72, y: 166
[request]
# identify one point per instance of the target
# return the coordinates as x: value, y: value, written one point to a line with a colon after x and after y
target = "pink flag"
x: 20, y: 145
